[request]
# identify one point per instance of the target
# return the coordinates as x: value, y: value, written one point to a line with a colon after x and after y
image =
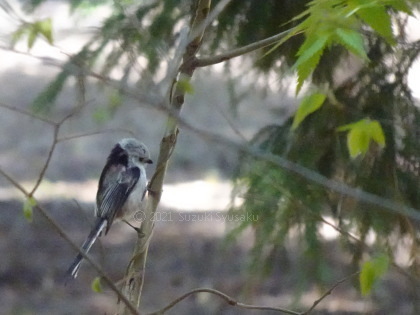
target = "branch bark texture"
x: 135, y: 272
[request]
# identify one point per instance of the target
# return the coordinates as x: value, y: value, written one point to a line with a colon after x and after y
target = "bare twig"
x: 233, y: 302
x: 208, y: 61
x: 64, y: 235
x: 93, y: 133
x: 27, y: 113
x: 56, y: 131
x: 14, y: 182
x: 308, y: 174
x: 329, y: 291
x: 47, y: 161
x: 29, y: 194
x: 227, y: 298
x: 199, y: 25
x: 230, y: 122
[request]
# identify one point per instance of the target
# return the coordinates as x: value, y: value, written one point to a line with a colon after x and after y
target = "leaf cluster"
x: 41, y: 28
x: 330, y: 22
x: 374, y: 107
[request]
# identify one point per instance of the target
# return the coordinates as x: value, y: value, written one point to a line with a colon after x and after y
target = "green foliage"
x: 45, y: 100
x: 290, y: 202
x: 352, y: 40
x: 360, y: 134
x: 332, y: 22
x: 317, y: 28
x: 42, y: 28
x: 96, y: 285
x: 186, y: 86
x: 308, y: 105
x: 375, y: 16
x: 371, y: 272
x: 28, y: 206
x: 286, y: 202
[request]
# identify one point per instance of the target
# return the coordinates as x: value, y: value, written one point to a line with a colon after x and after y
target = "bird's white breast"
x: 135, y: 199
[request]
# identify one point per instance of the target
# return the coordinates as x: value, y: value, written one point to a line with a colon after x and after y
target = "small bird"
x: 121, y: 190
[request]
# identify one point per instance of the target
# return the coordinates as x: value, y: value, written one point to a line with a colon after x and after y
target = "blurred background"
x: 199, y: 239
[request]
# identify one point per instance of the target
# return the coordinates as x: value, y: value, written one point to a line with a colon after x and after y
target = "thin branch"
x: 230, y: 122
x: 93, y: 133
x: 329, y: 291
x: 208, y: 61
x: 64, y: 235
x: 200, y: 25
x: 186, y: 39
x: 233, y: 302
x: 13, y: 182
x: 47, y: 60
x: 47, y: 161
x: 308, y: 174
x: 57, y: 127
x: 227, y: 298
x: 44, y: 213
x: 26, y: 113
x: 340, y: 230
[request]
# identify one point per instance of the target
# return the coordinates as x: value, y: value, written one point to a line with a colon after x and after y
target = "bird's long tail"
x: 101, y: 223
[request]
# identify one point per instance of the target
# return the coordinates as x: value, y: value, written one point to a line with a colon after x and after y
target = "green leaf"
x: 367, y: 278
x: 186, y: 86
x: 371, y: 272
x: 308, y: 60
x: 379, y: 20
x: 352, y: 40
x: 376, y: 132
x: 357, y: 142
x: 44, y: 27
x: 33, y: 33
x: 28, y: 208
x: 361, y: 133
x: 96, y: 285
x: 400, y: 6
x: 310, y: 48
x: 33, y: 30
x: 305, y: 70
x: 308, y: 105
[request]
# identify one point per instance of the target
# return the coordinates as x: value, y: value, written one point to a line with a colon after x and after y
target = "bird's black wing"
x: 115, y: 185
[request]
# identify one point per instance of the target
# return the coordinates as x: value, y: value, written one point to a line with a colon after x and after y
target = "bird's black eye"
x: 145, y: 160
